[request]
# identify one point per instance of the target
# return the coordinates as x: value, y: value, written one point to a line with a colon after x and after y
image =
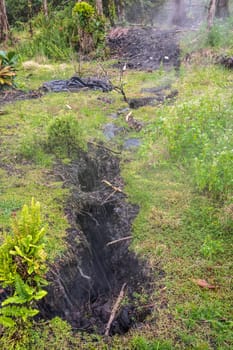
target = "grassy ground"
x: 185, y: 223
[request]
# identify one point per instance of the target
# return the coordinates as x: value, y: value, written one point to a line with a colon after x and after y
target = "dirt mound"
x: 145, y: 48
x: 87, y: 281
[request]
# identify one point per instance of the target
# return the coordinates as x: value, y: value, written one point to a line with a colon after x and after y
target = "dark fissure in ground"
x: 86, y: 282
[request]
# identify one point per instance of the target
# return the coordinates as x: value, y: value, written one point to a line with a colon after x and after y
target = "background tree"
x: 99, y: 7
x: 222, y: 8
x: 4, y: 26
x: 45, y: 8
x: 211, y: 13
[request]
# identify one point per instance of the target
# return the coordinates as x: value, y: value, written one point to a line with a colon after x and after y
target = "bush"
x: 64, y: 136
x: 22, y: 267
x: 91, y: 27
x: 7, y: 68
x: 53, y: 38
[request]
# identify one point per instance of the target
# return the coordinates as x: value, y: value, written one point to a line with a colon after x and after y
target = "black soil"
x: 85, y: 283
x: 145, y: 48
x: 11, y: 95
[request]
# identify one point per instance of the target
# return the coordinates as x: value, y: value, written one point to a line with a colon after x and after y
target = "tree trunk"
x: 4, y: 26
x: 179, y: 13
x: 222, y: 9
x: 211, y: 13
x: 45, y: 8
x: 120, y: 9
x: 99, y: 7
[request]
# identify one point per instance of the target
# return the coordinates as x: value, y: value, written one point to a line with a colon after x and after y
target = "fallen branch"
x: 116, y: 189
x: 104, y: 147
x: 128, y: 115
x: 118, y: 240
x: 115, y: 309
x: 108, y: 197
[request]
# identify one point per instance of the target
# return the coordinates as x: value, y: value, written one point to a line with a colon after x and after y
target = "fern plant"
x: 23, y: 267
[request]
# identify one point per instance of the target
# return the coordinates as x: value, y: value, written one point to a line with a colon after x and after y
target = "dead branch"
x: 104, y: 147
x: 128, y: 115
x: 118, y: 240
x: 115, y: 309
x: 108, y: 197
x: 116, y: 189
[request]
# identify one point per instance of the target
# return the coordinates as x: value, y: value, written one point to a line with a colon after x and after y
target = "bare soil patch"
x: 145, y: 48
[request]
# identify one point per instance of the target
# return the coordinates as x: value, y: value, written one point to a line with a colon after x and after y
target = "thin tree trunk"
x: 99, y: 7
x: 4, y: 25
x: 45, y: 8
x: 211, y: 13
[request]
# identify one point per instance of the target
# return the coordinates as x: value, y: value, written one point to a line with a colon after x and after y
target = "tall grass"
x: 53, y: 38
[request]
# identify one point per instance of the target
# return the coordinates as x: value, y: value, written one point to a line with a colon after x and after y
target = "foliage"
x: 64, y: 136
x: 9, y: 58
x: 91, y: 27
x: 199, y: 135
x: 85, y: 13
x: 219, y: 36
x: 7, y: 68
x: 52, y: 39
x: 22, y: 267
x: 18, y: 11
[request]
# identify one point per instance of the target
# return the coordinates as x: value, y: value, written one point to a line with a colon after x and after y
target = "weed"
x: 211, y: 248
x: 64, y: 136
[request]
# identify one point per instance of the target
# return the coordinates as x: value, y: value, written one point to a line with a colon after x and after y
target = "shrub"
x: 7, y: 68
x: 64, y: 136
x: 91, y: 27
x: 53, y: 38
x: 22, y: 267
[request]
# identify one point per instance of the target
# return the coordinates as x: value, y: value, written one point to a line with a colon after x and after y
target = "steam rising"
x: 164, y: 13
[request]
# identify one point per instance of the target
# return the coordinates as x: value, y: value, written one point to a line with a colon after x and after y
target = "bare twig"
x: 118, y: 240
x: 104, y: 147
x: 115, y: 309
x: 116, y: 189
x: 128, y: 115
x: 108, y: 197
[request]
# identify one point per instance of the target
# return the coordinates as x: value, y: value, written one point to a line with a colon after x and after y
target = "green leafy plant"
x: 64, y: 136
x: 91, y: 27
x: 211, y: 247
x: 84, y: 12
x: 9, y: 58
x: 7, y: 68
x: 23, y: 267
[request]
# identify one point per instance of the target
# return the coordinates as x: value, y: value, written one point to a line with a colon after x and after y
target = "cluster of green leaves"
x: 91, y: 26
x: 84, y: 12
x: 23, y: 266
x: 7, y: 68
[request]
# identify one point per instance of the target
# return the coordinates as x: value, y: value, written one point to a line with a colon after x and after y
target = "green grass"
x: 184, y: 228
